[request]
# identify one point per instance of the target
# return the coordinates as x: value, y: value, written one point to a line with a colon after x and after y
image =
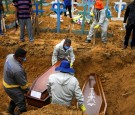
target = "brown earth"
x: 116, y: 67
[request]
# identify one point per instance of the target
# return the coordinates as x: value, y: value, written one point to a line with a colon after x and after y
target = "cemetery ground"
x: 116, y: 67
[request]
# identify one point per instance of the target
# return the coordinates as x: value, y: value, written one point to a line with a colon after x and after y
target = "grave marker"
x: 58, y: 8
x: 119, y: 4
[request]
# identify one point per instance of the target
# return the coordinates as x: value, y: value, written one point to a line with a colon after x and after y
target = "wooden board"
x: 94, y: 98
x: 38, y: 95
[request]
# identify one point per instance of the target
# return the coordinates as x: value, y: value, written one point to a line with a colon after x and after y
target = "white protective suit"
x: 60, y: 53
x: 63, y: 87
x: 100, y: 19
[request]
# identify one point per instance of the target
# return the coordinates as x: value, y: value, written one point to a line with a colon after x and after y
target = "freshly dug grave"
x: 114, y: 65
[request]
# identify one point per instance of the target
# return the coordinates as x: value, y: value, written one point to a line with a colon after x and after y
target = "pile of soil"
x: 114, y: 65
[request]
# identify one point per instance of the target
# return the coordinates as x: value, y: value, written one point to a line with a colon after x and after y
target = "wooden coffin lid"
x: 39, y: 84
x: 94, y: 98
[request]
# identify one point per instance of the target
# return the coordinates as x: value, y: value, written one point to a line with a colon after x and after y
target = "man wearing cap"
x: 63, y: 86
x: 15, y: 80
x: 62, y: 51
x: 100, y: 20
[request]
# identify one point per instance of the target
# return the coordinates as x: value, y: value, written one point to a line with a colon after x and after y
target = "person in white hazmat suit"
x: 63, y: 51
x: 100, y: 20
x: 62, y: 86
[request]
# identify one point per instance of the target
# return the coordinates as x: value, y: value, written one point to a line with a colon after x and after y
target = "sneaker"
x: 124, y: 47
x: 87, y: 41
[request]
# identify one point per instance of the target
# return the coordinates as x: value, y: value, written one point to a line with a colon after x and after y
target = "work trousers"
x: 17, y: 96
x: 28, y: 24
x: 129, y: 29
x: 103, y: 27
x: 69, y: 10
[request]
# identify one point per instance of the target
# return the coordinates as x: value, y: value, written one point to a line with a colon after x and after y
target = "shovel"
x: 3, y: 24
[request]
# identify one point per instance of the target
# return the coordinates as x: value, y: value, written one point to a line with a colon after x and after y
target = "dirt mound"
x: 54, y: 109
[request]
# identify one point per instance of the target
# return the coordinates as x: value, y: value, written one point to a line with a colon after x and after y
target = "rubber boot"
x: 11, y: 107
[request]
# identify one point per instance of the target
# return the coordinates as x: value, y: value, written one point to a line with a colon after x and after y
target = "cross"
x: 73, y: 3
x: 120, y: 3
x: 90, y: 4
x: 84, y: 13
x: 37, y: 10
x: 58, y: 10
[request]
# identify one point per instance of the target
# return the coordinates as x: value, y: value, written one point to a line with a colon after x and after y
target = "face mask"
x: 66, y: 47
x: 24, y: 59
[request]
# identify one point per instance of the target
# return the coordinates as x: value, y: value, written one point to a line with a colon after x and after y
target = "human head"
x: 67, y: 44
x: 98, y: 5
x: 65, y: 67
x: 20, y: 55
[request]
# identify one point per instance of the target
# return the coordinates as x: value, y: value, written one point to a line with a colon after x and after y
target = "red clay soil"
x: 116, y: 67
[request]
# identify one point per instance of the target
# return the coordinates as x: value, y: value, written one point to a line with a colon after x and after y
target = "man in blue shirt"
x: 69, y: 7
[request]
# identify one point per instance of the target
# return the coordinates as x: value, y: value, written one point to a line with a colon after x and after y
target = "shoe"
x: 124, y: 47
x: 22, y: 40
x: 133, y: 47
x: 105, y: 42
x: 61, y: 20
x: 87, y: 41
x: 1, y: 34
x: 32, y: 40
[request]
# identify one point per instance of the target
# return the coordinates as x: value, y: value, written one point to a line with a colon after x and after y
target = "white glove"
x: 124, y: 25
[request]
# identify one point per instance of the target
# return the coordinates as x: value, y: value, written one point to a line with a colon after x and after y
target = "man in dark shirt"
x: 15, y: 80
x: 129, y: 17
x: 23, y: 13
x: 68, y: 6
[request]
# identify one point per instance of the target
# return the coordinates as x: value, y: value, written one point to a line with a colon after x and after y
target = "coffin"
x: 38, y: 95
x: 94, y: 98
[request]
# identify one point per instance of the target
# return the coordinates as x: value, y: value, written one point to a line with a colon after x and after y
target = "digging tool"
x: 3, y: 24
x: 94, y: 39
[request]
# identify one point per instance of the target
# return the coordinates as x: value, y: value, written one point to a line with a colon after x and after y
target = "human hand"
x: 91, y: 14
x: 83, y: 108
x: 71, y: 64
x: 96, y: 27
x: 25, y: 91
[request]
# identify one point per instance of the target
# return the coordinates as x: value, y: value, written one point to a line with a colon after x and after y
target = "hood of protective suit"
x: 63, y: 78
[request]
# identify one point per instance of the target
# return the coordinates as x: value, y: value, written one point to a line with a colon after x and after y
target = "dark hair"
x: 67, y: 41
x: 20, y: 52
